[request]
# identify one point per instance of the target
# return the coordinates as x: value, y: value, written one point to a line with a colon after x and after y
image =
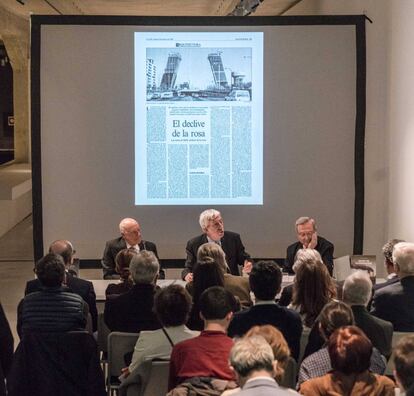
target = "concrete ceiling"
x: 140, y: 7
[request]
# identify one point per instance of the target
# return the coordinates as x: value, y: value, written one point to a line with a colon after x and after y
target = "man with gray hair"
x: 132, y: 311
x: 253, y: 362
x: 131, y: 238
x: 395, y: 302
x: 392, y: 277
x: 308, y: 238
x: 357, y: 291
x: 212, y: 226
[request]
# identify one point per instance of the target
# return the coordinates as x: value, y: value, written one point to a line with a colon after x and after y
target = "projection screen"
x: 275, y: 132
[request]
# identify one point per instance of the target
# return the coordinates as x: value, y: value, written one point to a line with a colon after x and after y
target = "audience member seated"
x: 206, y: 274
x: 280, y: 349
x: 395, y: 302
x: 253, y: 362
x: 349, y: 351
x: 76, y: 285
x: 265, y: 282
x: 132, y: 311
x: 313, y: 287
x: 303, y: 255
x: 131, y: 238
x: 208, y: 354
x: 334, y: 315
x: 54, y: 308
x: 404, y: 365
x: 212, y: 226
x: 308, y: 239
x: 392, y: 277
x: 172, y: 306
x: 279, y: 346
x: 6, y: 350
x: 357, y: 293
x: 122, y: 261
x: 236, y: 285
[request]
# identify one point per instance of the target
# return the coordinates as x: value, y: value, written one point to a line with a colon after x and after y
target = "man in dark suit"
x: 308, y: 238
x: 130, y: 238
x: 212, y: 225
x: 265, y: 281
x: 76, y: 285
x: 395, y: 302
x: 132, y: 311
x: 357, y: 293
x: 389, y: 264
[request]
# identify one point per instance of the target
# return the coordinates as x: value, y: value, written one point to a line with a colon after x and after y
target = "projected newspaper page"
x: 198, y: 118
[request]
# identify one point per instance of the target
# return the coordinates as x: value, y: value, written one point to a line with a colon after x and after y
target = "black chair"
x: 58, y: 364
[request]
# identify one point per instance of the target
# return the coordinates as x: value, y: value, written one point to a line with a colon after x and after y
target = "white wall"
x: 377, y: 164
x: 401, y: 121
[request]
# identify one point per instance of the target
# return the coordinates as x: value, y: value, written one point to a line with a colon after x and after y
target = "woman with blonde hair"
x: 236, y: 285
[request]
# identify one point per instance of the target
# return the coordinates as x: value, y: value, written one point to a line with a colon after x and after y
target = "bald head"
x: 130, y: 231
x: 63, y: 248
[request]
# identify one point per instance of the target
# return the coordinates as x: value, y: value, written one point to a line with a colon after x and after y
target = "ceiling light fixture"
x: 245, y: 7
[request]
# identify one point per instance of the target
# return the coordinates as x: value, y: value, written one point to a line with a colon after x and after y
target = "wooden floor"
x: 16, y: 268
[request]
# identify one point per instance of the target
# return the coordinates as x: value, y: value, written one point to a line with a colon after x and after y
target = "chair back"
x: 55, y: 364
x: 290, y: 375
x: 303, y: 342
x: 103, y: 333
x: 156, y: 382
x: 119, y: 344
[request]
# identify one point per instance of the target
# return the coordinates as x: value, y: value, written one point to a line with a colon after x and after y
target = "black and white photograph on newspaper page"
x: 191, y: 73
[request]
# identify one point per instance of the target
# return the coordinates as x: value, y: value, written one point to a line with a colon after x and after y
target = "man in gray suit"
x: 253, y: 362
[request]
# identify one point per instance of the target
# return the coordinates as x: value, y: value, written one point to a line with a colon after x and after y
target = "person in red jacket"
x: 208, y: 354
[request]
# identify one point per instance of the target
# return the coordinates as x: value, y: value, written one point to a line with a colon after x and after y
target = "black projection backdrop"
x: 37, y: 22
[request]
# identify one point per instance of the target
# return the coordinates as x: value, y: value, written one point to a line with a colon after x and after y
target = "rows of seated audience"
x: 224, y: 333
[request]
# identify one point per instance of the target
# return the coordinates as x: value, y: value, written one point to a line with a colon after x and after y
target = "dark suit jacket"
x: 76, y: 285
x: 114, y: 246
x: 324, y: 247
x: 377, y: 330
x: 132, y: 312
x: 115, y: 289
x: 391, y: 281
x: 395, y: 303
x: 230, y: 243
x: 286, y: 320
